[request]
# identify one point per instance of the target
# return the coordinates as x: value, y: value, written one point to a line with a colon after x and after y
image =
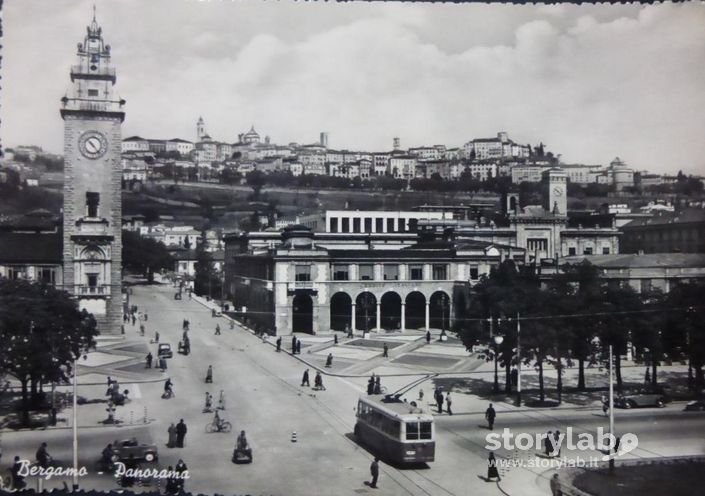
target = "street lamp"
x: 497, y: 341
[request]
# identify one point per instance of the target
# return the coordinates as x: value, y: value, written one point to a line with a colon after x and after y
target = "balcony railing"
x: 102, y: 290
x: 99, y: 73
x: 300, y: 285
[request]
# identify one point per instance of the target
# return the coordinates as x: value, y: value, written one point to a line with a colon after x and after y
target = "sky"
x: 591, y: 82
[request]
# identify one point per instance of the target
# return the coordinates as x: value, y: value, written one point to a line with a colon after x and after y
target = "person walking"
x: 217, y: 329
x: 329, y: 360
x: 304, y: 379
x: 557, y: 443
x: 141, y: 329
x: 18, y: 482
x: 440, y: 401
x: 378, y: 384
x: 548, y: 443
x: 385, y: 352
x: 428, y: 337
x: 449, y: 402
x: 181, y: 469
x: 209, y: 374
x: 490, y: 415
x: 318, y: 382
x: 556, y: 486
x: 43, y: 457
x: 149, y: 359
x: 187, y: 346
x: 209, y: 403
x: 492, y: 472
x: 172, y: 436
x: 181, y: 431
x: 221, y: 400
x: 371, y: 385
x: 374, y: 472
x: 298, y: 346
x: 605, y: 405
x: 172, y: 484
x: 279, y: 344
x: 293, y: 345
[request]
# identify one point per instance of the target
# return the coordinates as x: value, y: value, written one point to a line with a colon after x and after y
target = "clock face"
x: 558, y: 191
x: 93, y: 144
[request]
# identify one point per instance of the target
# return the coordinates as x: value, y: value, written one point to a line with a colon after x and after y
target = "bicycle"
x: 224, y: 427
x: 169, y: 393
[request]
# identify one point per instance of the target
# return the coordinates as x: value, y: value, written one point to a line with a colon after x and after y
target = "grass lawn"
x: 677, y: 479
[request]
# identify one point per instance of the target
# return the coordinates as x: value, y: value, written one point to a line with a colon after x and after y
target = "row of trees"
x: 42, y: 331
x: 571, y: 319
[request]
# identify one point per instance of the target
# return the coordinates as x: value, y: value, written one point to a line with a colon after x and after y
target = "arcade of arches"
x: 389, y: 311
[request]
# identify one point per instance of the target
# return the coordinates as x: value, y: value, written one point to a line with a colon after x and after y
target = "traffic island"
x: 675, y: 477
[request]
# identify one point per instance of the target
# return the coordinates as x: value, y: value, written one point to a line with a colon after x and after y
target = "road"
x: 264, y: 398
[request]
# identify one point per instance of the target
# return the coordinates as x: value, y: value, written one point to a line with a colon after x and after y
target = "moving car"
x: 641, y: 399
x: 164, y: 351
x: 695, y: 406
x: 123, y: 449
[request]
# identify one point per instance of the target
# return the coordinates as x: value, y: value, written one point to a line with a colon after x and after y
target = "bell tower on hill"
x: 92, y: 222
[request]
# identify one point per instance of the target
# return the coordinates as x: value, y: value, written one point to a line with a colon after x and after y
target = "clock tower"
x: 555, y: 186
x: 92, y: 213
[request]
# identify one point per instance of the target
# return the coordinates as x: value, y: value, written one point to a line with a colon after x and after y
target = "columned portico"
x: 353, y: 324
x: 428, y: 315
x: 403, y: 316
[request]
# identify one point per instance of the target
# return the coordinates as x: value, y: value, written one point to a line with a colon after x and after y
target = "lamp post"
x: 518, y: 400
x: 497, y: 341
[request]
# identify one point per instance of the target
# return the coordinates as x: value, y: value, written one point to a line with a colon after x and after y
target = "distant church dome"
x: 251, y: 136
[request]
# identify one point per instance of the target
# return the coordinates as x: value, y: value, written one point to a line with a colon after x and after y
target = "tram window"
x: 426, y: 430
x: 412, y: 430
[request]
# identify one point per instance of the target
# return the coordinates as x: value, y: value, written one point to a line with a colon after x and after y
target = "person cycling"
x: 43, y: 457
x: 217, y: 421
x: 167, y: 388
x: 107, y: 456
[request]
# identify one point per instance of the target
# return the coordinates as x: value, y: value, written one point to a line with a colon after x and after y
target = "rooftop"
x: 633, y: 261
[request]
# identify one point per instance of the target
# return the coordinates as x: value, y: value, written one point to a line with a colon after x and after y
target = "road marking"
x: 136, y: 393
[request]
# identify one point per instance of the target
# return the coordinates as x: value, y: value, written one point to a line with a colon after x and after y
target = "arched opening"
x: 340, y: 311
x: 365, y: 311
x: 302, y: 313
x: 415, y: 310
x: 439, y: 310
x: 391, y: 311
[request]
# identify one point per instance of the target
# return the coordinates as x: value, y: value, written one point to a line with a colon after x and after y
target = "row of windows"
x: 43, y: 274
x: 379, y: 421
x: 439, y: 272
x: 572, y: 250
x: 360, y: 225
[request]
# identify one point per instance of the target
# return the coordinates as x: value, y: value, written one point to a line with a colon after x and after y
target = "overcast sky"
x: 591, y: 82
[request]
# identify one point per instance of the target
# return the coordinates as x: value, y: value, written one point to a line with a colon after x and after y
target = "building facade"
x: 92, y: 241
x: 666, y: 232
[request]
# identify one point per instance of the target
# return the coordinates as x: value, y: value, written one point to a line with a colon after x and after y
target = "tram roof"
x: 396, y: 408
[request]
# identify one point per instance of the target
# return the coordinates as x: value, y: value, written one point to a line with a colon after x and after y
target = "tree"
x: 42, y: 330
x: 686, y: 314
x: 206, y: 281
x: 144, y: 255
x: 256, y: 180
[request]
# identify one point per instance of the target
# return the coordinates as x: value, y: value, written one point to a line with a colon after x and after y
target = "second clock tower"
x: 92, y: 213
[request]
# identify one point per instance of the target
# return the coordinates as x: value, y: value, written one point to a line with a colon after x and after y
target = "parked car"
x: 641, y: 399
x: 695, y: 406
x: 123, y: 449
x: 164, y: 351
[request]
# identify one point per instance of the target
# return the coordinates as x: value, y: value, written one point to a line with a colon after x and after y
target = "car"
x: 164, y: 351
x: 695, y: 406
x: 140, y: 451
x: 641, y: 399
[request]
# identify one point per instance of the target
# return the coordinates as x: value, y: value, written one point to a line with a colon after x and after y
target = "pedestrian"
x: 371, y: 385
x: 428, y: 337
x: 335, y: 338
x: 209, y: 403
x: 605, y: 405
x: 318, y: 382
x: 329, y: 360
x: 514, y: 376
x: 149, y: 360
x: 385, y: 352
x: 184, y: 325
x: 557, y: 443
x: 449, y: 402
x: 348, y: 330
x: 145, y: 316
x: 217, y: 329
x: 293, y: 345
x: 492, y: 472
x: 181, y: 469
x: 490, y: 415
x: 187, y: 346
x: 279, y: 344
x: 304, y: 379
x: 172, y: 485
x: 221, y: 400
x: 420, y: 396
x: 18, y: 482
x: 181, y: 431
x: 548, y: 444
x: 440, y: 401
x: 184, y: 335
x: 141, y: 329
x: 109, y: 391
x: 134, y: 320
x: 378, y: 384
x: 374, y: 472
x: 298, y: 346
x: 647, y: 376
x: 172, y: 436
x: 556, y: 486
x: 209, y: 374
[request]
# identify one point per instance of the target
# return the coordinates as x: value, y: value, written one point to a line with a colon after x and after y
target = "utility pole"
x: 518, y: 402
x: 612, y: 436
